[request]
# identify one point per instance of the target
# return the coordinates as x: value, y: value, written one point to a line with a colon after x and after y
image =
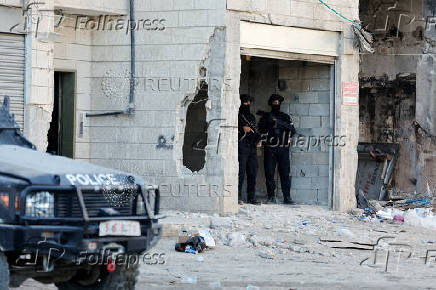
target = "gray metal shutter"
x: 12, y: 73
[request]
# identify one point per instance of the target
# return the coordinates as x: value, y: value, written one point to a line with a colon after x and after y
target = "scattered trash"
x: 363, y: 218
x: 189, y: 280
x: 375, y: 205
x: 305, y: 223
x: 399, y: 218
x: 194, y: 245
x: 385, y: 213
x: 190, y: 250
x: 389, y: 213
x: 208, y: 239
x: 251, y: 287
x: 423, y: 217
x: 266, y: 254
x: 370, y: 211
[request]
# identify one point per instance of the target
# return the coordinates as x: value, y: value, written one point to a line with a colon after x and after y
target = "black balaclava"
x: 275, y: 108
x: 272, y: 98
x: 245, y: 109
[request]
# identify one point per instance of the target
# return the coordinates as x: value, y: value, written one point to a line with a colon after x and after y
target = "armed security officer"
x: 276, y: 128
x: 248, y: 138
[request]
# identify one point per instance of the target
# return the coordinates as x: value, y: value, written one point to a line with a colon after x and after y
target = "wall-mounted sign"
x: 350, y: 93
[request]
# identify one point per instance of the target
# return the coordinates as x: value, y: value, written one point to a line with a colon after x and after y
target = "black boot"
x: 288, y: 201
x: 270, y: 200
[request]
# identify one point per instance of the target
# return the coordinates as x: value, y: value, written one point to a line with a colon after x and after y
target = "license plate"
x: 120, y: 228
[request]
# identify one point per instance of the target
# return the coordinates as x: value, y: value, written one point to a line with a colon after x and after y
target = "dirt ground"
x: 292, y: 247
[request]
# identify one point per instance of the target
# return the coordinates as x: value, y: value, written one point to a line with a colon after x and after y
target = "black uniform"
x: 247, y: 156
x: 275, y: 140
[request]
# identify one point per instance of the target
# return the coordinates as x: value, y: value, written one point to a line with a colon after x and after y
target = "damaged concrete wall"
x: 39, y: 74
x: 426, y: 80
x: 426, y: 102
x: 171, y: 64
x: 397, y: 85
x: 387, y: 112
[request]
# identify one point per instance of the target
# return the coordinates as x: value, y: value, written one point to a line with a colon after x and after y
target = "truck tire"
x: 4, y: 272
x: 122, y: 278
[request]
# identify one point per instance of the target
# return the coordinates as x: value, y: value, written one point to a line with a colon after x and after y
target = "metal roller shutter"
x: 12, y: 73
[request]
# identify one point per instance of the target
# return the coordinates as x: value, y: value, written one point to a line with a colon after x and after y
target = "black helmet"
x: 275, y: 97
x: 245, y: 98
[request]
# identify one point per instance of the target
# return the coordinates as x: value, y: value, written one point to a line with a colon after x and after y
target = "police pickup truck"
x: 67, y: 222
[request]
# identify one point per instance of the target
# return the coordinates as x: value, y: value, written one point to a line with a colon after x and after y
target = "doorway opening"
x: 307, y: 89
x: 61, y: 132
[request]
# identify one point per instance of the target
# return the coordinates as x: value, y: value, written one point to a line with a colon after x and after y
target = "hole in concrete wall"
x: 195, y: 141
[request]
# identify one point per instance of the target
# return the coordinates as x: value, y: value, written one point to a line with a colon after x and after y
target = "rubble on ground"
x: 271, y: 230
x: 276, y: 232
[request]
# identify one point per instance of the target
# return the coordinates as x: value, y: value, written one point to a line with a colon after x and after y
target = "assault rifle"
x: 252, y: 125
x: 279, y: 123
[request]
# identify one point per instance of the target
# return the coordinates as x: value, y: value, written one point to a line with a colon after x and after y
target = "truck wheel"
x: 121, y: 279
x: 4, y: 272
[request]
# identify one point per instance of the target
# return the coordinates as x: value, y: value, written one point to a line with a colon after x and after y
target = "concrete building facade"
x: 191, y: 60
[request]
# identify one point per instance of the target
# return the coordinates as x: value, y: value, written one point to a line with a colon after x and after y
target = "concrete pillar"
x: 347, y: 124
x: 39, y: 72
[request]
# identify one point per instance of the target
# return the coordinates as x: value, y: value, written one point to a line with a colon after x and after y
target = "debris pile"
x: 196, y: 243
x: 414, y: 212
